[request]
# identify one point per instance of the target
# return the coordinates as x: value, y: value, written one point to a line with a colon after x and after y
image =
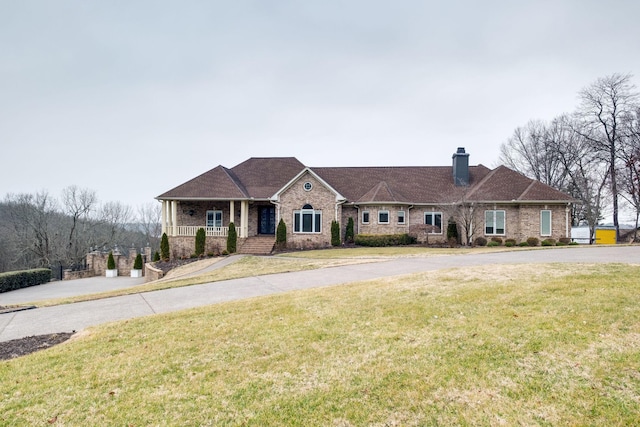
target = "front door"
x: 267, y: 220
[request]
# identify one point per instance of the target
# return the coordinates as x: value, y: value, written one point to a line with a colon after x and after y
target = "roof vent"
x: 461, y: 167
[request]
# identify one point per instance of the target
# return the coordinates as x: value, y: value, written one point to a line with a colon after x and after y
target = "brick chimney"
x: 461, y: 168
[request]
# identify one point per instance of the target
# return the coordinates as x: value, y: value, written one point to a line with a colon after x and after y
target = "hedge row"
x: 13, y: 280
x: 384, y: 239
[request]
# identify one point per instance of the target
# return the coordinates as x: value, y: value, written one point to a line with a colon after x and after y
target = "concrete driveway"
x: 77, y: 316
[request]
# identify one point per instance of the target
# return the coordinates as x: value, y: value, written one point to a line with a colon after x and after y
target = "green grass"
x: 494, y: 345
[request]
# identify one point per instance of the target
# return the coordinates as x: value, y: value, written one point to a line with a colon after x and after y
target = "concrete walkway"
x: 77, y: 316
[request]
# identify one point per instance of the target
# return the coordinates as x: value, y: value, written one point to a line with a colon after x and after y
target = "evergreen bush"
x: 137, y: 264
x: 281, y: 235
x: 349, y: 233
x: 548, y: 242
x: 335, y: 233
x: 493, y: 243
x: 156, y: 256
x: 164, y: 247
x: 111, y: 262
x: 452, y: 231
x: 377, y: 240
x: 232, y: 239
x: 13, y: 280
x: 510, y: 242
x: 497, y: 240
x: 201, y: 240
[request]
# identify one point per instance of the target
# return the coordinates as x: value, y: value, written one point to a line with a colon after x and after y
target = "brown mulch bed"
x: 23, y: 346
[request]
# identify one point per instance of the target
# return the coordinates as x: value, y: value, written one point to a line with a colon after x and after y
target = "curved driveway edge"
x: 77, y: 316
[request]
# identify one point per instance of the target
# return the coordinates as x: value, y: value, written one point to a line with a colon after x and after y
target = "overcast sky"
x: 131, y: 98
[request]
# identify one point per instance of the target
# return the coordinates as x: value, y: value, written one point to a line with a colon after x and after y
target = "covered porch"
x: 183, y: 218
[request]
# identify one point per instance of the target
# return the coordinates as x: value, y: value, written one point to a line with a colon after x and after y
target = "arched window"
x: 307, y: 220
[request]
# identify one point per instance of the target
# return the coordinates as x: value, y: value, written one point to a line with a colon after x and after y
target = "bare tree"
x: 630, y: 172
x: 149, y: 220
x: 113, y: 216
x: 605, y: 105
x: 531, y: 151
x: 587, y: 175
x: 78, y: 204
x: 31, y: 218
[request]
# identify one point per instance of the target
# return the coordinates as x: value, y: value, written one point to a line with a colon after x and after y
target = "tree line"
x: 40, y: 230
x: 592, y: 153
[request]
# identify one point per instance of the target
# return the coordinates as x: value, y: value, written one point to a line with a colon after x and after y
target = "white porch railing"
x: 190, y: 231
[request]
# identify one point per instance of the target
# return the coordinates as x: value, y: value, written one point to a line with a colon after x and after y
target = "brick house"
x: 421, y: 200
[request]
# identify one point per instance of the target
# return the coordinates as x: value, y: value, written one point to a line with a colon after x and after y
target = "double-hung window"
x: 307, y: 220
x: 494, y: 222
x: 434, y: 219
x: 545, y: 223
x: 214, y: 218
x: 383, y: 217
x: 400, y: 217
x: 365, y: 217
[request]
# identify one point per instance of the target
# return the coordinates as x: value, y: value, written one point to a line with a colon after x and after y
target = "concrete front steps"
x: 257, y: 245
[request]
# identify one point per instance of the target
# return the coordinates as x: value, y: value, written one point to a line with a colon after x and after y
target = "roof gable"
x: 264, y: 176
x: 504, y: 184
x: 217, y: 183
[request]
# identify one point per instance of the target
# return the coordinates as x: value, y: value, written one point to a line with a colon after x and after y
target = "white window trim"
x: 362, y: 218
x: 388, y: 217
x: 550, y: 223
x: 494, y: 222
x: 313, y: 213
x: 401, y: 214
x: 433, y: 220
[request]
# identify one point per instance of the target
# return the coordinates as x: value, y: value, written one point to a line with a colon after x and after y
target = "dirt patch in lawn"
x: 23, y: 346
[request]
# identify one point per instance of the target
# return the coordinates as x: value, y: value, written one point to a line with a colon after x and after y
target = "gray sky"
x: 131, y: 98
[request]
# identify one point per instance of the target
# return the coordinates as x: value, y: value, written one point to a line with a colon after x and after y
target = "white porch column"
x: 232, y: 212
x: 174, y: 217
x: 244, y: 218
x: 163, y: 214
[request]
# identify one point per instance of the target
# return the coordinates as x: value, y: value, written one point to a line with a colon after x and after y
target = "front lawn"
x: 492, y: 345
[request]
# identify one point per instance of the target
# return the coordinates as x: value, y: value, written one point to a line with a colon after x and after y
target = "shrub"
x: 335, y: 233
x: 13, y: 280
x: 480, y: 241
x: 497, y: 240
x: 523, y: 244
x: 137, y: 264
x: 225, y: 253
x: 493, y: 243
x: 349, y: 234
x: 164, y: 247
x: 452, y: 231
x: 232, y: 239
x: 378, y: 240
x: 156, y: 256
x: 548, y: 242
x: 561, y: 244
x: 201, y: 240
x: 533, y: 241
x: 574, y: 244
x: 565, y: 240
x: 510, y: 242
x: 111, y: 262
x: 281, y: 235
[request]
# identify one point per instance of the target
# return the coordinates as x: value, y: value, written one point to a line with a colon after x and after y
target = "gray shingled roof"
x: 261, y: 178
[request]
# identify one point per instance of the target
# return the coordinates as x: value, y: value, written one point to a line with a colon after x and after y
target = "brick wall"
x: 97, y: 261
x: 321, y: 198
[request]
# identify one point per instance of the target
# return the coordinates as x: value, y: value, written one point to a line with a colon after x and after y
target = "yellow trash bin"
x: 606, y: 236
